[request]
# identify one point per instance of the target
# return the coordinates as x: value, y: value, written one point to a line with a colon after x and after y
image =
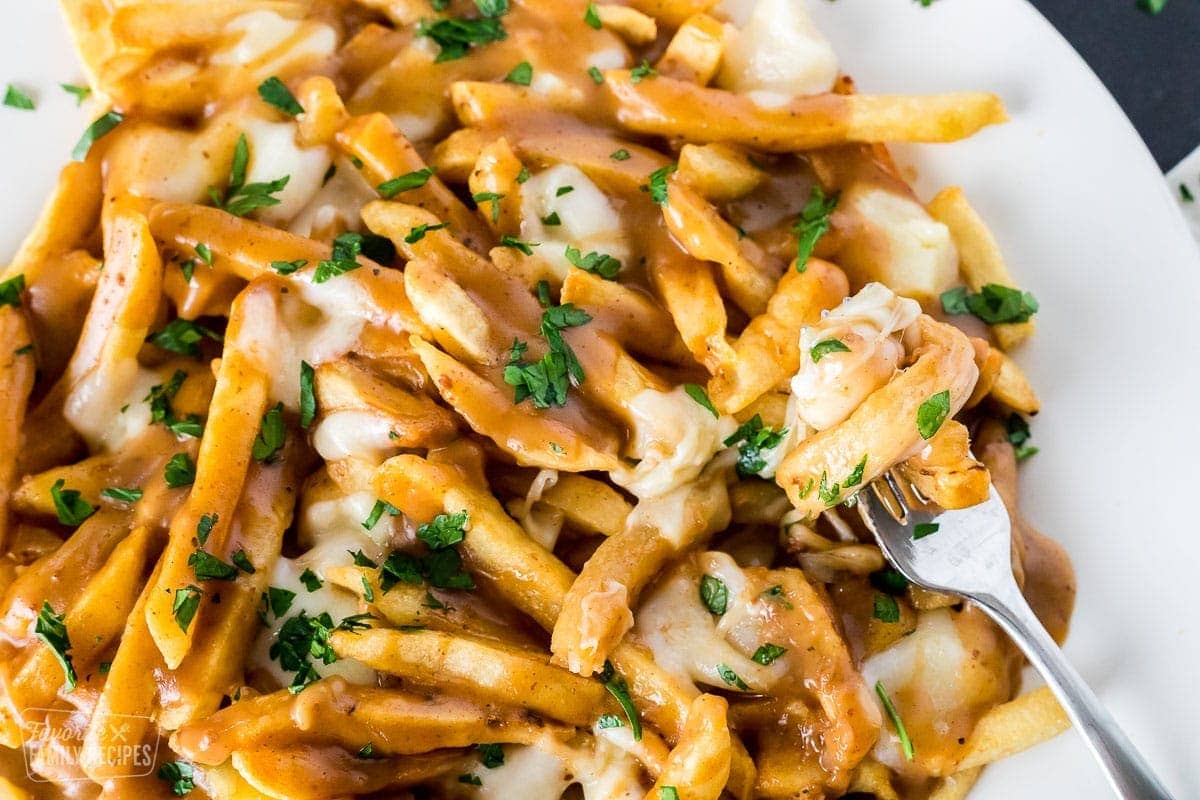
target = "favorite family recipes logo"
x: 56, y: 746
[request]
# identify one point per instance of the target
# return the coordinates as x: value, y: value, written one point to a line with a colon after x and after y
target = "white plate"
x: 1087, y: 224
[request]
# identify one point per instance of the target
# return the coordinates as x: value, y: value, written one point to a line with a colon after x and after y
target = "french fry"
x: 884, y: 427
x: 956, y: 786
x: 1014, y: 726
x: 874, y: 779
x: 694, y: 52
x: 673, y: 12
x: 689, y: 292
x: 980, y: 258
x: 768, y: 351
x: 324, y: 113
x: 749, y: 273
x: 66, y: 220
x: 412, y: 420
x: 481, y: 671
x: 667, y: 107
x: 495, y: 176
x: 630, y: 317
x: 479, y: 104
x: 315, y: 772
x: 630, y: 24
x: 596, y: 612
x: 1013, y: 389
x: 239, y: 402
x: 945, y: 472
x: 386, y: 154
x: 18, y: 369
x: 698, y: 767
x: 719, y: 172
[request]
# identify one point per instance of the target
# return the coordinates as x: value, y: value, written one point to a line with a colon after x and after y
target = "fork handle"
x: 1127, y: 771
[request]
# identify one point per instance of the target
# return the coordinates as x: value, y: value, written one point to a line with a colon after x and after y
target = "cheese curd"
x: 827, y: 388
x: 774, y: 52
x: 586, y: 217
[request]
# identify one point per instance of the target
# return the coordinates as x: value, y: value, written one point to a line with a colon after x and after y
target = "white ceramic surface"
x: 1087, y: 224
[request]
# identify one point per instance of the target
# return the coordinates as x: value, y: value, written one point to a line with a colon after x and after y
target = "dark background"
x: 1151, y: 64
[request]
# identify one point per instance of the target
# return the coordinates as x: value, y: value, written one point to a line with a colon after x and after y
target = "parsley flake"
x: 933, y: 413
x: 52, y: 630
x: 275, y: 92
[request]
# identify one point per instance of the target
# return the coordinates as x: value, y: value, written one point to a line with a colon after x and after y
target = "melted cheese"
x: 259, y: 34
x: 674, y: 437
x: 336, y: 206
x: 774, y: 52
x: 543, y: 523
x: 827, y: 391
x: 320, y: 323
x: 108, y: 407
x: 914, y: 253
x: 589, y: 221
x: 357, y: 434
x: 273, y: 154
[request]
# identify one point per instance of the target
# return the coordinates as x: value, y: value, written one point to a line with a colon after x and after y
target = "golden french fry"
x: 689, y: 292
x: 495, y: 182
x: 18, y: 370
x: 956, y: 786
x: 1014, y: 726
x: 411, y: 420
x: 317, y: 772
x: 874, y: 779
x: 1013, y: 389
x: 630, y: 24
x: 719, y: 172
x: 694, y: 52
x: 980, y: 258
x: 945, y: 472
x: 673, y: 12
x: 749, y: 273
x: 481, y: 671
x: 667, y: 107
x: 698, y: 766
x: 392, y: 722
x: 630, y: 317
x: 768, y: 351
x: 883, y: 429
x: 324, y: 113
x: 68, y: 217
x: 478, y: 103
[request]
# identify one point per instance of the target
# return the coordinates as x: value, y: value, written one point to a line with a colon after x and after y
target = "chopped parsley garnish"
x: 204, y: 527
x: 814, y: 223
x: 288, y: 267
x: 668, y: 793
x: 160, y: 397
x: 596, y: 75
x: 514, y: 242
x: 856, y: 475
x: 367, y: 592
x: 15, y: 98
x: 403, y: 183
x: 456, y: 36
x: 731, y: 678
x: 208, y: 567
x: 471, y: 779
x: 347, y: 247
x: 10, y: 291
x: 923, y: 529
x: 187, y: 601
x: 592, y: 16
x: 361, y: 559
x: 242, y: 562
x: 69, y: 505
x: 933, y: 413
x: 24, y: 350
x: 81, y: 93
x: 121, y: 495
x: 619, y: 689
x: 547, y: 381
x: 828, y: 494
x: 443, y: 569
x: 609, y: 721
x: 271, y: 436
x: 303, y: 640
x: 180, y: 471
x: 897, y: 723
x: 186, y: 427
x: 489, y: 197
x: 366, y: 751
x: 279, y: 600
x: 994, y: 304
x: 521, y: 74
x: 560, y: 191
x: 178, y: 775
x: 620, y: 155
x: 98, y: 129
x: 827, y: 346
x: 714, y: 594
x: 308, y: 398
x: 775, y: 594
x: 888, y: 580
x: 767, y: 654
x: 274, y: 92
x: 524, y: 175
x: 446, y: 530
x: 1185, y: 194
x: 310, y: 580
x: 241, y: 198
x: 399, y: 568
x: 491, y: 755
x: 641, y: 72
x: 418, y: 233
x: 52, y: 630
x: 886, y: 609
x: 1152, y: 7
x: 697, y: 393
x: 657, y: 185
x: 601, y: 264
x: 183, y: 336
x: 376, y: 514
x: 492, y: 8
x: 552, y: 220
x: 752, y: 438
x: 204, y: 252
x: 1018, y: 436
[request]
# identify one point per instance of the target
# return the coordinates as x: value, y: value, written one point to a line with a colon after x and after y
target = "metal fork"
x: 970, y: 555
